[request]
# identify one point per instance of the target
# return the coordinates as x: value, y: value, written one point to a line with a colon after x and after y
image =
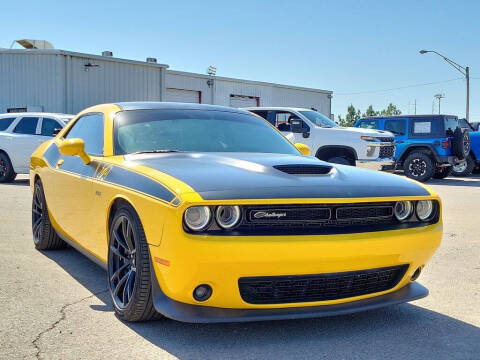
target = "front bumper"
x: 207, y: 314
x: 386, y: 164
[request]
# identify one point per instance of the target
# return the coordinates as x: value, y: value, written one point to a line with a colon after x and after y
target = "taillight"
x: 445, y: 144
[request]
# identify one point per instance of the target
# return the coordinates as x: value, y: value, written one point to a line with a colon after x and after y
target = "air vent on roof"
x: 151, y: 60
x: 304, y: 169
x: 107, y: 53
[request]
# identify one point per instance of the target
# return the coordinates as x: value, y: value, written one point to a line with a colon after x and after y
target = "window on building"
x: 398, y: 127
x: 27, y: 125
x: 90, y: 129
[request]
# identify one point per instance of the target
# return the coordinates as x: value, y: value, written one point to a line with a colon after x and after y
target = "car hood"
x: 217, y: 176
x: 364, y: 132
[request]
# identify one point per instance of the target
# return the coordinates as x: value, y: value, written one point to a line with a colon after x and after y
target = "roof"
x: 39, y: 114
x: 404, y: 116
x: 153, y: 105
x: 286, y: 108
x: 80, y: 55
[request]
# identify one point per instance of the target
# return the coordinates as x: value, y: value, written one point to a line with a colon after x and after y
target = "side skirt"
x: 84, y: 252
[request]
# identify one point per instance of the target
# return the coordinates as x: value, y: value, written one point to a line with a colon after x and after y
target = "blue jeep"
x: 426, y: 145
x: 472, y: 163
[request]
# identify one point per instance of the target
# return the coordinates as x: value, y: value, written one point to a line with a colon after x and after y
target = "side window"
x: 5, y: 123
x: 49, y: 126
x: 426, y: 126
x: 90, y: 129
x: 283, y: 121
x: 27, y: 125
x: 262, y: 113
x: 398, y: 127
x: 369, y: 124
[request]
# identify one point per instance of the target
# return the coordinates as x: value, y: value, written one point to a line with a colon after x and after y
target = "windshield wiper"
x: 159, y: 151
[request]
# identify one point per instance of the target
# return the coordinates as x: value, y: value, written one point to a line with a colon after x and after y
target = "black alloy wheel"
x: 7, y: 174
x: 44, y: 235
x: 129, y: 268
x: 419, y: 166
x: 121, y: 262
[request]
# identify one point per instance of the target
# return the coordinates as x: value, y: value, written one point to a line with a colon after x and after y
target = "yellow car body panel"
x: 80, y: 210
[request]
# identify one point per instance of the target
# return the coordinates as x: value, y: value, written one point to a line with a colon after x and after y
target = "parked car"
x: 472, y: 163
x: 204, y: 213
x: 20, y: 135
x: 330, y: 142
x: 426, y: 145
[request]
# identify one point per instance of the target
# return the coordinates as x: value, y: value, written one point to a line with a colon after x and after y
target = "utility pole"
x: 439, y: 97
x: 464, y: 70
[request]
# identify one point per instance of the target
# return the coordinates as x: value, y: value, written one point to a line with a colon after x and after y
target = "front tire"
x: 341, y: 160
x: 466, y: 168
x: 44, y: 235
x: 418, y: 166
x: 129, y: 272
x: 7, y: 173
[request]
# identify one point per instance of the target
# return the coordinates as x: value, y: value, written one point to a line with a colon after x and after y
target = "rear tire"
x: 7, y: 173
x: 341, y: 160
x: 44, y: 235
x: 466, y: 169
x: 418, y: 166
x: 129, y: 271
x: 443, y: 172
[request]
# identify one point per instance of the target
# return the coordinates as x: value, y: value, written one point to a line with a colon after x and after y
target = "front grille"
x: 387, y: 151
x: 364, y: 212
x: 304, y: 169
x: 386, y: 139
x: 320, y: 287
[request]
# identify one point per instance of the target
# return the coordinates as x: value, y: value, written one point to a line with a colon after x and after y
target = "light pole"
x: 464, y: 70
x: 439, y: 97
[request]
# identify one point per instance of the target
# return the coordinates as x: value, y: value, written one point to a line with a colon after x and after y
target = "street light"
x: 464, y: 70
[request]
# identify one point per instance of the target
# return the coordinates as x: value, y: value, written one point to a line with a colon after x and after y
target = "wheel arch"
x: 114, y: 204
x: 332, y: 150
x: 426, y: 148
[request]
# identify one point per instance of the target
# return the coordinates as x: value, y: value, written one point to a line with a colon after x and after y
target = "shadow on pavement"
x: 19, y: 182
x: 398, y: 332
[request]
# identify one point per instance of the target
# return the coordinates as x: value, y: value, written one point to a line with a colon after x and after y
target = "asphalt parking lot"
x: 55, y: 305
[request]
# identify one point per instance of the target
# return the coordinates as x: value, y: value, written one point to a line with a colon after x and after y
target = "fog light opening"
x: 202, y: 292
x: 416, y: 274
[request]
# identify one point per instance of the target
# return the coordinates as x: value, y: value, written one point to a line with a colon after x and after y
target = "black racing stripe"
x: 108, y: 173
x: 52, y: 155
x: 138, y: 182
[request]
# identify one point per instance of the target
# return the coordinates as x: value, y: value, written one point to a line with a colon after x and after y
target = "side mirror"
x: 296, y: 126
x: 56, y: 131
x: 304, y: 149
x: 74, y: 147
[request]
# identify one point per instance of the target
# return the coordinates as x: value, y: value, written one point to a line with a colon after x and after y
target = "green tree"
x: 390, y: 110
x: 370, y: 112
x: 352, y: 116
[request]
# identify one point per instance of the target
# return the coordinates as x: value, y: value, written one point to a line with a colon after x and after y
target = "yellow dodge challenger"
x: 208, y: 214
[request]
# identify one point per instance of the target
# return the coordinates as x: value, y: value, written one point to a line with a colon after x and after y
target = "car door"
x: 399, y: 128
x: 24, y: 142
x: 69, y: 188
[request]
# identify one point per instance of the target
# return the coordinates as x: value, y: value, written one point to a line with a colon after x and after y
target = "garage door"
x: 184, y: 96
x: 238, y: 101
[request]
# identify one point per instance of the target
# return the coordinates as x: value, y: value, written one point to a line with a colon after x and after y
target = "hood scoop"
x: 304, y: 170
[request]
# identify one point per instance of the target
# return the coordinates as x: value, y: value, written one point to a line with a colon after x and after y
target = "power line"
x: 401, y: 87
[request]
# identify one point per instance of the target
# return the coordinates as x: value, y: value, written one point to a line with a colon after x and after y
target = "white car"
x: 20, y: 135
x: 328, y: 141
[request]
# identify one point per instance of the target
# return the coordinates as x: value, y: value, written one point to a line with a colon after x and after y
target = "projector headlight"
x: 228, y: 216
x: 197, y: 217
x: 403, y: 210
x: 424, y: 209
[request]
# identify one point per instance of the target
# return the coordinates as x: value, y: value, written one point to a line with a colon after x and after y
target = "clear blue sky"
x: 344, y: 46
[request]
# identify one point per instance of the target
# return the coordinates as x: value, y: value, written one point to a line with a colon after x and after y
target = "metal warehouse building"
x: 54, y: 80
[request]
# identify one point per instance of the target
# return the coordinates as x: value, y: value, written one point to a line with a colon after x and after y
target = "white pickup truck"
x: 373, y: 149
x: 20, y: 135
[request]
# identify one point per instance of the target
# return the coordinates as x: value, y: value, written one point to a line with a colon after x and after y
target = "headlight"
x: 197, y: 217
x: 424, y: 209
x: 228, y: 216
x: 368, y: 138
x: 403, y: 210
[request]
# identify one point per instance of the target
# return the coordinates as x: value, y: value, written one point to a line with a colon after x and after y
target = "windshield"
x: 196, y: 131
x: 319, y: 119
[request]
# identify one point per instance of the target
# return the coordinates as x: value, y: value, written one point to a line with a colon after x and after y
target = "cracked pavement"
x: 55, y: 305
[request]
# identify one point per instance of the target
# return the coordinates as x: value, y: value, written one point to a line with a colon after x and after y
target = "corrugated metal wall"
x: 269, y: 94
x: 27, y: 80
